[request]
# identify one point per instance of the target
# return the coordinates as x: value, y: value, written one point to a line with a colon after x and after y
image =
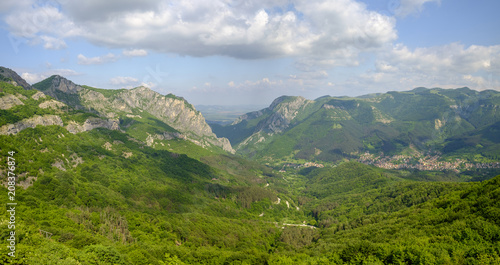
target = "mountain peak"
x: 285, y: 99
x: 419, y: 90
x: 7, y: 74
x: 57, y: 83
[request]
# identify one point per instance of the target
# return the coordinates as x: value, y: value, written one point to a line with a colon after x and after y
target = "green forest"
x: 106, y: 197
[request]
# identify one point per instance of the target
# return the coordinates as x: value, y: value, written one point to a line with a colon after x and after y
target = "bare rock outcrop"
x: 174, y: 111
x: 51, y: 104
x: 281, y: 113
x: 9, y: 101
x: 38, y: 95
x: 32, y: 122
x: 93, y: 123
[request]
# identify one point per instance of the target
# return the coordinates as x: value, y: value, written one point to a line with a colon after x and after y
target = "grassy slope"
x: 157, y: 207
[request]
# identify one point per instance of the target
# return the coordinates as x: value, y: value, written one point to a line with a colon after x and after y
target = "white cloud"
x: 447, y: 66
x: 407, y: 7
x: 149, y: 84
x: 124, y: 80
x: 384, y: 67
x: 7, y: 5
x: 30, y: 22
x: 478, y: 80
x: 453, y: 58
x: 63, y: 72
x: 52, y: 43
x: 311, y: 75
x: 318, y: 34
x: 33, y: 78
x: 110, y: 57
x: 135, y: 52
x: 98, y: 10
x: 331, y: 32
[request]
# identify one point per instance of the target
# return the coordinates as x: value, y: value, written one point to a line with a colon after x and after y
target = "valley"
x: 131, y: 176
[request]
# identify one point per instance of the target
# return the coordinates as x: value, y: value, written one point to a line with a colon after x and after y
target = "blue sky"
x: 229, y: 52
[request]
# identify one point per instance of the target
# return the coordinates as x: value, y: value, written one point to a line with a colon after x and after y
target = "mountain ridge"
x: 113, y: 104
x: 332, y: 128
x: 12, y: 77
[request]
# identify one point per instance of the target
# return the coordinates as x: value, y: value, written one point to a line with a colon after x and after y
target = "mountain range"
x: 447, y: 121
x: 126, y: 109
x: 130, y: 176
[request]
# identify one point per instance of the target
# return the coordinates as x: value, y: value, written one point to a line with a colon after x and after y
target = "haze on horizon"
x: 227, y: 52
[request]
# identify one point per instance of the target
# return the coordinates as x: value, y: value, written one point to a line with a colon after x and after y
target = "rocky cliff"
x: 61, y: 89
x: 114, y: 104
x: 93, y: 123
x: 9, y: 101
x: 275, y: 119
x: 281, y: 112
x: 48, y: 120
x: 8, y: 75
x: 32, y: 122
x: 57, y: 83
x: 174, y: 111
x: 284, y: 110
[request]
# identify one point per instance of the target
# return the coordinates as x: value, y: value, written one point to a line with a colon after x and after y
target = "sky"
x: 242, y: 52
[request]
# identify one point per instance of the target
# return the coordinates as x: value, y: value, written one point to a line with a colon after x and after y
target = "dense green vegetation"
x: 20, y: 112
x: 452, y: 122
x: 411, y: 223
x: 93, y: 203
x: 240, y: 131
x: 44, y: 84
x: 106, y: 197
x: 105, y: 92
x: 156, y: 206
x: 139, y: 128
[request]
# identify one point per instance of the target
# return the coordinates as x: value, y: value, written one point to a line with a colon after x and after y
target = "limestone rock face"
x: 9, y: 101
x: 275, y: 119
x: 54, y: 104
x: 282, y: 111
x: 61, y: 89
x: 93, y: 123
x: 285, y: 110
x: 38, y: 95
x: 248, y: 116
x: 32, y: 122
x: 64, y: 85
x: 174, y: 111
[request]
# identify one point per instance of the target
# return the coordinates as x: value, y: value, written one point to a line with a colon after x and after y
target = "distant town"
x: 422, y: 162
x: 428, y: 162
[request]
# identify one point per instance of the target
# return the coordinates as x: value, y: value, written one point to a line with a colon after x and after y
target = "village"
x: 427, y: 162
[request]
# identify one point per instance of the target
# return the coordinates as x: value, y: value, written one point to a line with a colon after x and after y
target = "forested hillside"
x: 396, y: 129
x: 93, y: 188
